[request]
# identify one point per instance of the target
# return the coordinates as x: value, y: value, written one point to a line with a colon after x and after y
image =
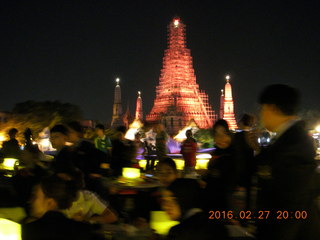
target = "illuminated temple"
x: 228, y: 106
x: 178, y: 97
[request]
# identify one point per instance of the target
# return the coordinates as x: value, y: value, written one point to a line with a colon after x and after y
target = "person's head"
x: 122, y: 129
x: 12, y: 133
x: 75, y: 131
x: 59, y: 136
x: 137, y: 136
x: 166, y: 171
x: 100, y: 130
x: 53, y: 193
x: 279, y: 103
x: 189, y: 133
x: 246, y: 121
x: 181, y: 196
x: 221, y: 134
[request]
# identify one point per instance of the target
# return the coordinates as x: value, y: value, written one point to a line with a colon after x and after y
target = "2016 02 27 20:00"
x: 260, y: 215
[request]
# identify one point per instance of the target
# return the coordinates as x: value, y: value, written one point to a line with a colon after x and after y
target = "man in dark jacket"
x: 286, y: 170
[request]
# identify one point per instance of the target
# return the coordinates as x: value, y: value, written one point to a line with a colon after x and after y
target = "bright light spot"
x: 131, y: 173
x: 9, y: 230
x: 2, y: 138
x: 318, y: 128
x: 143, y: 163
x: 228, y: 77
x: 8, y: 163
x: 204, y: 156
x: 161, y: 223
x: 139, y: 93
x: 117, y: 80
x: 179, y: 163
x: 176, y: 22
x: 202, y: 163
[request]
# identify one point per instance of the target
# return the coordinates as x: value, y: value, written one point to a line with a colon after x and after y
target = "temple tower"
x: 117, y: 106
x: 178, y: 98
x: 221, y: 105
x: 228, y: 111
x: 139, y: 112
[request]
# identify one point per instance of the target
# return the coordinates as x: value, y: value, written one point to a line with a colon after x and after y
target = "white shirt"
x: 87, y: 204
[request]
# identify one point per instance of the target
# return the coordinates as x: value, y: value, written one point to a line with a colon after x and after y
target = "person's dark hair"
x: 169, y: 162
x: 76, y: 126
x: 222, y: 123
x: 12, y: 132
x: 122, y: 129
x: 60, y: 129
x: 62, y: 191
x: 284, y: 97
x: 189, y: 132
x: 100, y: 126
x: 187, y: 192
x: 247, y: 120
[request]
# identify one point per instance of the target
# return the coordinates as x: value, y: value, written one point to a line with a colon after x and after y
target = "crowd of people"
x: 69, y: 196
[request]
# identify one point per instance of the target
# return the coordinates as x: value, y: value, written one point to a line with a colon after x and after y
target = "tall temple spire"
x: 228, y: 112
x: 139, y: 112
x: 178, y: 98
x: 117, y: 106
x: 221, y: 104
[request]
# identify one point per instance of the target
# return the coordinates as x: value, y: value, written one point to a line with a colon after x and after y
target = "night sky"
x: 73, y: 51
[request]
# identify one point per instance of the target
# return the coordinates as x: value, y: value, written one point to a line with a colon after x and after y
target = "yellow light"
x: 202, y: 164
x: 2, y: 138
x: 131, y: 173
x: 9, y: 230
x: 179, y: 163
x: 160, y: 221
x: 8, y: 163
x: 143, y: 164
x: 228, y: 77
x: 318, y: 128
x: 176, y: 22
x: 204, y: 156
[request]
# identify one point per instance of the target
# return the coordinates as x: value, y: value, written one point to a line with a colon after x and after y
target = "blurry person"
x: 166, y: 171
x: 180, y: 200
x: 33, y: 170
x: 123, y: 152
x: 63, y: 159
x: 50, y: 197
x: 286, y: 169
x: 88, y: 207
x: 11, y: 148
x: 87, y: 158
x: 140, y: 147
x: 161, y: 142
x: 244, y: 156
x: 102, y: 142
x: 220, y: 177
x: 189, y: 152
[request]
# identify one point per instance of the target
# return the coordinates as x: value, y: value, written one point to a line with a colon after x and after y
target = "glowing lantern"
x: 160, y: 221
x: 203, y: 160
x: 143, y: 164
x: 9, y: 163
x: 318, y: 128
x: 9, y: 230
x: 131, y: 173
x: 179, y: 163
